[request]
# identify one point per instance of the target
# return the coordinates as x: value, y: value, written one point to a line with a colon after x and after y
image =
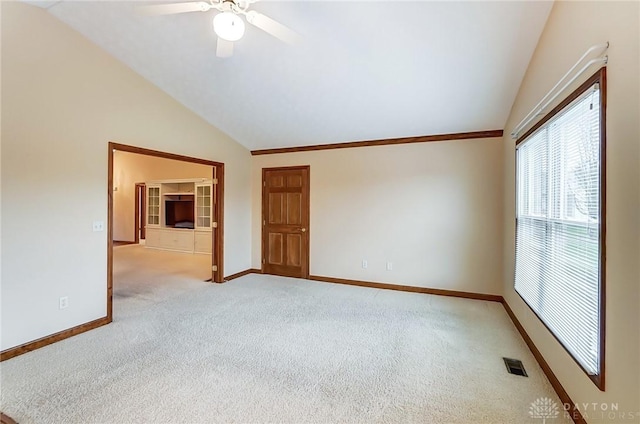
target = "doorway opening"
x: 141, y: 209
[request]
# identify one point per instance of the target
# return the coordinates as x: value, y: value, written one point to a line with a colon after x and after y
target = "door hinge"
x: 264, y: 222
x: 214, y: 268
x: 214, y: 225
x: 264, y: 183
x: 263, y: 261
x: 215, y: 181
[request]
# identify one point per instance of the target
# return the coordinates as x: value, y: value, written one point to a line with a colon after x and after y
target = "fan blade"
x: 243, y: 4
x: 224, y: 48
x: 173, y: 8
x: 272, y: 27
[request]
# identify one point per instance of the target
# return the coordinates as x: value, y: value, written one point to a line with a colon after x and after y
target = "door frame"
x: 217, y: 241
x: 140, y: 212
x: 307, y: 189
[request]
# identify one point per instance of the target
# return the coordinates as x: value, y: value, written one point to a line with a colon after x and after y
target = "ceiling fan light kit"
x: 228, y: 24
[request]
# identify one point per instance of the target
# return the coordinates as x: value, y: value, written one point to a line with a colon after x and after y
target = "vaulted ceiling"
x: 364, y: 70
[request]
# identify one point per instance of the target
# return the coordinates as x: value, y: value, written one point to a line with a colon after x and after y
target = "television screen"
x: 178, y: 213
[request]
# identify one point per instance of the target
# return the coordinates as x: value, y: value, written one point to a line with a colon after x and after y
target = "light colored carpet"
x: 270, y: 349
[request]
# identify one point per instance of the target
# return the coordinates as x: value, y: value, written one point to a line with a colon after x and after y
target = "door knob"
x: 303, y: 230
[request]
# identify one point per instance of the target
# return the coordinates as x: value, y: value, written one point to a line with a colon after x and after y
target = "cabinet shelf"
x: 179, y: 194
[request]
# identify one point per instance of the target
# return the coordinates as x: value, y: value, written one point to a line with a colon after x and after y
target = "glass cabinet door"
x: 203, y: 205
x: 153, y: 205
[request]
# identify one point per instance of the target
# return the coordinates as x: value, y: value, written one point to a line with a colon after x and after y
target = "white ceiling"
x: 365, y: 70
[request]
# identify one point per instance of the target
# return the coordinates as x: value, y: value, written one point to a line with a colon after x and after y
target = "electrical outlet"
x: 98, y: 226
x: 365, y: 264
x: 389, y: 266
x: 64, y: 302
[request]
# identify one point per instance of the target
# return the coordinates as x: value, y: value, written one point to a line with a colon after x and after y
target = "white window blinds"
x: 558, y: 227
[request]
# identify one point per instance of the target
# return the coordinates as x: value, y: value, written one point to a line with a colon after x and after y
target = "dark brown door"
x: 141, y: 212
x: 285, y: 221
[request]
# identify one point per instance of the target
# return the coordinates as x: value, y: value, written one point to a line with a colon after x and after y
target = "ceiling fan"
x: 228, y: 24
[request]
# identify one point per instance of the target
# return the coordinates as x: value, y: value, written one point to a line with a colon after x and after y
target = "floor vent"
x: 514, y: 366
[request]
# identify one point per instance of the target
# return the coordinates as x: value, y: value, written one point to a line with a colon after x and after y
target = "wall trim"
x: 575, y: 414
x: 413, y: 289
x: 387, y: 286
x: 242, y: 274
x: 5, y: 419
x: 384, y: 142
x: 123, y: 242
x: 53, y: 338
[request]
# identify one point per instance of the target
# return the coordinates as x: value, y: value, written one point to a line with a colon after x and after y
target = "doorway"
x: 285, y: 221
x: 140, y: 208
x: 217, y: 265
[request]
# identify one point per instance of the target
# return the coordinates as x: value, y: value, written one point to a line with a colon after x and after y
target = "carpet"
x: 271, y: 349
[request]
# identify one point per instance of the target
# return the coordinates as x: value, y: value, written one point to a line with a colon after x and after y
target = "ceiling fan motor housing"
x: 228, y: 6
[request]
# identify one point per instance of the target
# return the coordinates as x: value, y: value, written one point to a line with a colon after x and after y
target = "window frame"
x: 599, y: 78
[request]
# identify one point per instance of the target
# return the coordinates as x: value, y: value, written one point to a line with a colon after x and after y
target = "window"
x: 560, y: 223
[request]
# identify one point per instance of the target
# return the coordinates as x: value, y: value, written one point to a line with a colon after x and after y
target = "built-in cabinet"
x: 203, y: 205
x: 180, y: 215
x: 153, y: 204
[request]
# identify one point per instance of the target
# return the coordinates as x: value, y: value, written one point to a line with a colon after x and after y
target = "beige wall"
x: 63, y: 100
x: 571, y: 29
x: 432, y: 209
x: 132, y: 168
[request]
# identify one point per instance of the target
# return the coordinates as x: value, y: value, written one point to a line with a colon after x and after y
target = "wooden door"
x: 285, y: 221
x: 141, y: 212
